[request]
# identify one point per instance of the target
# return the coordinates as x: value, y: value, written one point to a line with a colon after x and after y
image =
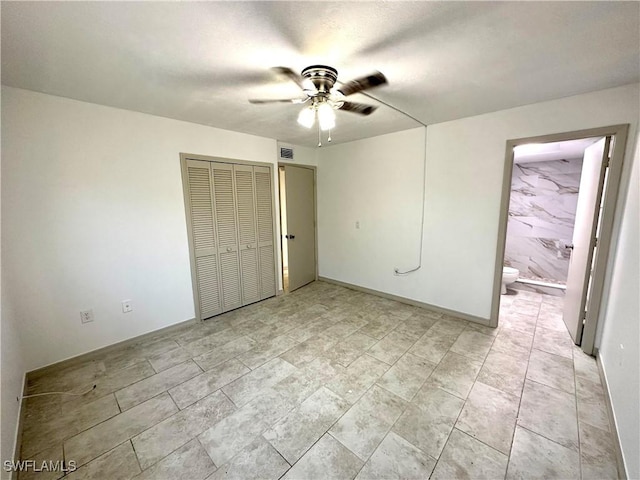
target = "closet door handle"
x: 229, y: 249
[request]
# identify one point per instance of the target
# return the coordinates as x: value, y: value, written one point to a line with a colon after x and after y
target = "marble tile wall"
x: 542, y: 211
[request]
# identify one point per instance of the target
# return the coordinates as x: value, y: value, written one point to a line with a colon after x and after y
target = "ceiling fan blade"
x: 291, y: 75
x: 362, y: 83
x: 276, y: 100
x: 359, y: 108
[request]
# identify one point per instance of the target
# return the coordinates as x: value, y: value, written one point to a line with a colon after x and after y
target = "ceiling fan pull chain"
x: 329, y: 139
x: 319, y: 136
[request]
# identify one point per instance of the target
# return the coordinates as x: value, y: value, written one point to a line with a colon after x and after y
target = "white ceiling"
x: 201, y: 61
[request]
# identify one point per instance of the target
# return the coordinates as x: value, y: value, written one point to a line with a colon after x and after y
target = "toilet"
x: 509, y: 275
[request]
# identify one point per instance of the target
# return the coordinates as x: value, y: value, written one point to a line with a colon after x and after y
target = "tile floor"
x: 331, y: 383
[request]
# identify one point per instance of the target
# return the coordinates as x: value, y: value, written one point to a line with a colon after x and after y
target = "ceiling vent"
x: 286, y: 153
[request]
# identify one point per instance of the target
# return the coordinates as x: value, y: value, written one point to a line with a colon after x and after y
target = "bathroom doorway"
x: 298, y: 225
x: 559, y: 195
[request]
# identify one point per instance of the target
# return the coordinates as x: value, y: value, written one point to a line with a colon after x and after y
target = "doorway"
x: 572, y: 268
x: 298, y: 225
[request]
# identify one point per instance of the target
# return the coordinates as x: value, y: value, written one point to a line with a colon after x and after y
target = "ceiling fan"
x: 324, y: 97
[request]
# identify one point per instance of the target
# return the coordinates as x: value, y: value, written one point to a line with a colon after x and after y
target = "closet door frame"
x: 185, y: 190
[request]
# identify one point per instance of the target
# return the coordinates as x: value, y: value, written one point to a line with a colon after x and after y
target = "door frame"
x: 315, y: 212
x: 187, y: 206
x: 609, y: 201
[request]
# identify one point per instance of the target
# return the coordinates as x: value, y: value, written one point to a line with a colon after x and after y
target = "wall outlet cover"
x: 86, y: 316
x: 127, y: 306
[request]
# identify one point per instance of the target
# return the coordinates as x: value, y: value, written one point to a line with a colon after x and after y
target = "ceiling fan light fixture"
x: 326, y: 116
x: 307, y: 117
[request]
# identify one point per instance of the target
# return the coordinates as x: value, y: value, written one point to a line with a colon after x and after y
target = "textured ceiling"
x: 201, y: 61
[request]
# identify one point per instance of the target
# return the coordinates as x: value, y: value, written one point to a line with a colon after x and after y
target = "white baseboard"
x: 622, y: 470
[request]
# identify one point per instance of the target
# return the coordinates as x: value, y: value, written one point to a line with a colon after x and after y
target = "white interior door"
x: 584, y: 235
x: 301, y: 230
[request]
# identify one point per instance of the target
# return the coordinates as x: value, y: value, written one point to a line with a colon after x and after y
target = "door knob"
x: 570, y: 246
x: 291, y: 237
x: 229, y: 249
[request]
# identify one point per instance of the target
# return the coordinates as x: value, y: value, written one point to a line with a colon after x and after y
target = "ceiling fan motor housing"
x: 323, y: 77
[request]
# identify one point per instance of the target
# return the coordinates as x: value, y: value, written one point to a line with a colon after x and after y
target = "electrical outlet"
x: 127, y: 306
x: 86, y: 316
x: 358, y: 225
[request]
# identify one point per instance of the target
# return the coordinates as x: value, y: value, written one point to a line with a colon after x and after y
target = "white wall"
x: 379, y: 180
x: 13, y: 368
x: 93, y: 214
x: 302, y: 155
x: 619, y: 346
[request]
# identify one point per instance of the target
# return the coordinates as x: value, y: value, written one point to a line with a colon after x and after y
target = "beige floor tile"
x: 406, y: 376
x: 108, y: 383
x: 295, y: 433
x: 326, y: 460
x: 535, y: 457
x: 201, y: 330
x: 211, y: 342
x: 307, y: 351
x: 150, y: 387
x: 592, y: 405
x: 466, y: 457
x: 367, y: 422
x: 338, y: 328
x: 265, y: 351
x: 434, y: 344
x: 202, y: 385
x: 173, y: 432
x: 232, y: 434
x: 585, y: 366
x: 490, y: 416
x: 169, y: 359
x: 416, y: 325
x: 553, y: 341
x: 212, y: 359
x: 513, y: 343
x: 117, y: 464
x: 504, y: 372
x: 391, y: 347
x: 138, y: 352
x: 53, y: 454
x: 456, y: 374
x: 380, y: 326
x: 55, y: 430
x: 549, y: 412
x: 103, y: 437
x: 519, y: 321
x: 247, y: 387
x: 551, y: 370
x: 349, y: 349
x: 429, y: 419
x: 597, y: 454
x: 358, y: 377
x: 189, y: 462
x: 474, y: 345
x: 258, y: 460
x: 397, y: 459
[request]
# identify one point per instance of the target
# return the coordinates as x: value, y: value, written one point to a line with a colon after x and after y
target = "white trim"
x: 621, y: 463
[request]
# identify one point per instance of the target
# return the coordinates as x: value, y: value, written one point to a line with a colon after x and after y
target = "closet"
x: 230, y: 222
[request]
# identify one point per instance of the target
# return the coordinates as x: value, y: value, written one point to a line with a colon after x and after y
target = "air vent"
x: 286, y: 153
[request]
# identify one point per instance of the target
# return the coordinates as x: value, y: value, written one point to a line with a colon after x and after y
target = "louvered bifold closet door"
x: 225, y: 211
x: 204, y: 238
x: 247, y: 237
x: 264, y: 213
